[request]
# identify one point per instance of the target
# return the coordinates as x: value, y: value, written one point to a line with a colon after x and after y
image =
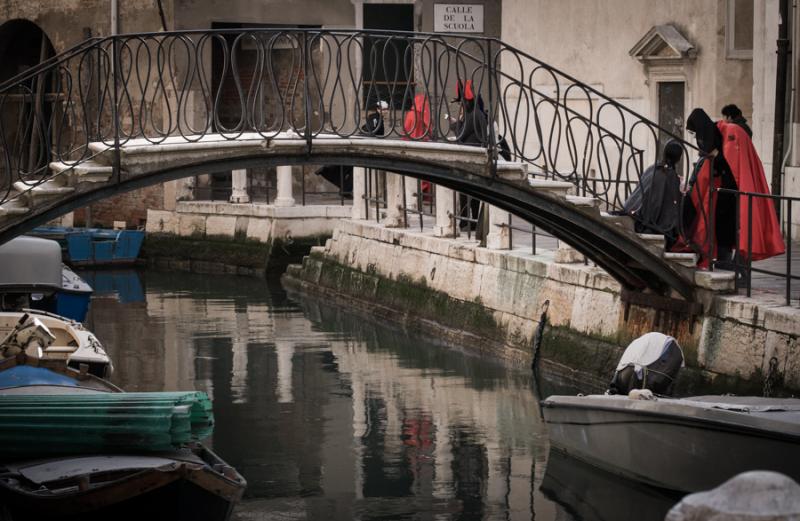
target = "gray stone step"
x: 46, y: 190
x: 557, y: 188
x: 654, y: 241
x: 623, y: 221
x: 86, y: 172
x: 512, y: 170
x: 589, y: 202
x: 723, y: 281
x: 15, y: 205
x: 684, y: 259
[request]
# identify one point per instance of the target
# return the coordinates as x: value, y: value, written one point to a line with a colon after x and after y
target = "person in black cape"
x: 655, y: 204
x: 709, y: 141
x: 342, y: 175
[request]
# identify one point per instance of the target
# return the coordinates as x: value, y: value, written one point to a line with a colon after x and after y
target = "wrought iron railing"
x: 305, y: 83
x: 781, y: 274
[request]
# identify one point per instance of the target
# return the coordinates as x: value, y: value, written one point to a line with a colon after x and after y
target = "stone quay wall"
x: 244, y: 239
x: 492, y: 300
x: 257, y: 222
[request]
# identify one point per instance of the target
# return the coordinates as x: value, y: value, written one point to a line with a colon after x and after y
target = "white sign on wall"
x: 458, y: 18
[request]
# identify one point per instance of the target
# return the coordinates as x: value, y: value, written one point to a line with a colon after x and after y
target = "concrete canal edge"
x: 490, y: 301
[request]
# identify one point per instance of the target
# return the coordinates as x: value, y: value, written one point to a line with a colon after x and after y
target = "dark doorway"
x: 387, y: 68
x: 671, y: 96
x: 22, y: 45
x: 27, y: 112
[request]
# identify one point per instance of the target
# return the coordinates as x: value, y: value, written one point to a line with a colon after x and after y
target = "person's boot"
x: 724, y: 259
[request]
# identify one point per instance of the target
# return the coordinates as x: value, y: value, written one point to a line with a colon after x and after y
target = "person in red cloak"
x: 728, y: 160
x: 417, y: 121
x: 417, y: 125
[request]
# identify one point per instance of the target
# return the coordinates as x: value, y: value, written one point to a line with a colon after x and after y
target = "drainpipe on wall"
x: 790, y: 152
x: 780, y: 100
x: 114, y: 17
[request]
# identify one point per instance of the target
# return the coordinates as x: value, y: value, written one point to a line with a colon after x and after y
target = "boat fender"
x: 641, y: 394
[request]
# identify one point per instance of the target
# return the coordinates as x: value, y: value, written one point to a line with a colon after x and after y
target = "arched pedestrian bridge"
x: 121, y: 113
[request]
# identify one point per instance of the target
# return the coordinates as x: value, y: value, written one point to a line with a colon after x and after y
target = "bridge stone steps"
x: 557, y: 188
x: 586, y: 202
x: 86, y: 172
x: 512, y: 170
x: 683, y: 259
x: 14, y: 206
x: 623, y: 221
x: 655, y: 242
x: 48, y: 189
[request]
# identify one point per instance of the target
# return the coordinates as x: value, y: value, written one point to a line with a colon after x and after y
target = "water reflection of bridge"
x: 318, y: 402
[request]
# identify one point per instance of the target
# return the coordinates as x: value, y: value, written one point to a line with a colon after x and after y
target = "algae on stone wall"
x: 249, y: 254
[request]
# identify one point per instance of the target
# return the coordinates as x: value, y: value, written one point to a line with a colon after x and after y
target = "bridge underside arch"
x: 617, y: 251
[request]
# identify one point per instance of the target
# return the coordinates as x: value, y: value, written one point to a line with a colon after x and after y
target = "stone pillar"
x: 68, y: 220
x: 359, y: 191
x: 394, y: 201
x: 499, y: 236
x: 445, y: 211
x: 412, y: 197
x: 566, y: 254
x: 284, y: 197
x: 239, y: 187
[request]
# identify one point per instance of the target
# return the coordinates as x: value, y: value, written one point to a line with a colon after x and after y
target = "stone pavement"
x: 770, y: 286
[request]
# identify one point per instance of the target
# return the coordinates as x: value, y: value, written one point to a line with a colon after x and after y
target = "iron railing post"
x: 436, y: 102
x: 405, y: 202
x: 491, y: 145
x: 710, y: 221
x: 736, y: 259
x: 788, y: 252
x: 115, y: 107
x: 307, y: 97
x: 366, y: 194
x: 749, y: 244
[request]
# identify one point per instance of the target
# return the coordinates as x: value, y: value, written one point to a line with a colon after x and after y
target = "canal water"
x: 331, y: 415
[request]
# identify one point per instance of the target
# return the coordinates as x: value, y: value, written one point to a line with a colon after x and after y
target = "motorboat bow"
x: 678, y: 444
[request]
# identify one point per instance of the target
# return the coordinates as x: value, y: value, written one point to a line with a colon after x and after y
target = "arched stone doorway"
x: 27, y: 109
x: 23, y: 44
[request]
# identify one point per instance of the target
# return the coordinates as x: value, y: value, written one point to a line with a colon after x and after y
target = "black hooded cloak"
x: 709, y: 138
x: 655, y: 203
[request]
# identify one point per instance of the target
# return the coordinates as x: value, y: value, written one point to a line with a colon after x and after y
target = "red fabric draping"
x: 741, y: 156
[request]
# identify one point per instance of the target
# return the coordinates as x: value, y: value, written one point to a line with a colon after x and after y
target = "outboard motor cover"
x: 652, y: 361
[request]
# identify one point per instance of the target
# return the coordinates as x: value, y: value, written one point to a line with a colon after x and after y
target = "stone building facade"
x: 662, y: 59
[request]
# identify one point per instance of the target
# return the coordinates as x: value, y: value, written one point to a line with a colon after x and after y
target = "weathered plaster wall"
x: 590, y: 40
x: 499, y: 295
x: 65, y: 21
